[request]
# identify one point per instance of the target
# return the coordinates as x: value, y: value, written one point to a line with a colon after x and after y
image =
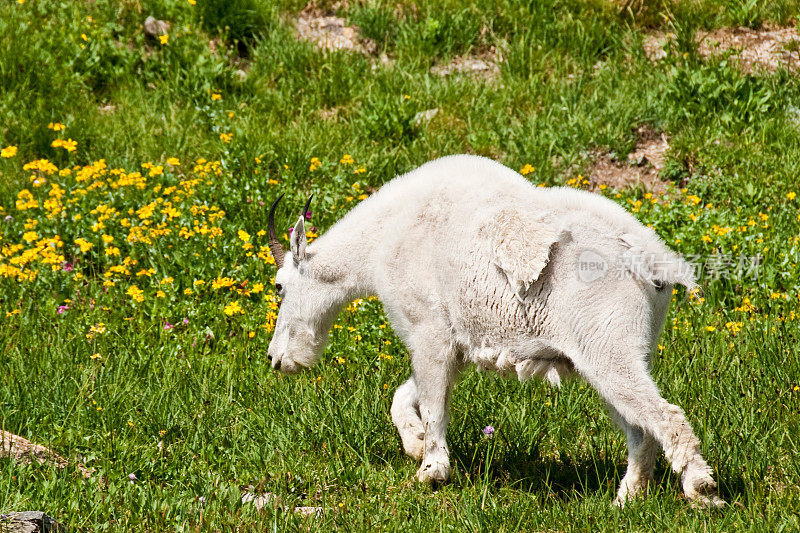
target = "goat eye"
x: 659, y: 285
x: 278, y: 287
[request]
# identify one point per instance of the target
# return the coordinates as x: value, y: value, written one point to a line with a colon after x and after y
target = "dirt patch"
x: 767, y: 49
x: 330, y: 32
x: 641, y: 167
x: 482, y: 65
x: 24, y: 451
x: 330, y: 113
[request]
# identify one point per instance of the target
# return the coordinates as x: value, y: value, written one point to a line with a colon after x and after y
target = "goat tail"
x: 678, y: 271
x: 650, y: 260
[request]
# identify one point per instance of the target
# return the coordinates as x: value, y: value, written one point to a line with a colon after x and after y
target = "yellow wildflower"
x: 136, y: 294
x: 84, y: 244
x: 347, y: 159
x: 9, y: 151
x: 97, y: 329
x: 69, y: 145
x: 226, y: 137
x: 163, y: 38
x: 221, y: 283
x: 174, y: 161
x: 527, y: 169
x: 233, y: 308
x: 791, y: 195
x: 216, y: 96
x: 56, y: 126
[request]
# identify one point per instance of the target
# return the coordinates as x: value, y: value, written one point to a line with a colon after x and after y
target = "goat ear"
x: 521, y: 246
x: 298, y: 241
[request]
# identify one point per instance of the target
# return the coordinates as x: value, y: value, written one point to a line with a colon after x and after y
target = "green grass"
x: 195, y: 411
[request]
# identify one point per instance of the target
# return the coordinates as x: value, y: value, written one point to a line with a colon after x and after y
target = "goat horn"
x: 305, y: 209
x: 275, y: 246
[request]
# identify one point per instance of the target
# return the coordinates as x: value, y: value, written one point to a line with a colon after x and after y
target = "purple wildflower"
x: 168, y: 326
x: 62, y: 308
x: 488, y: 431
x: 185, y: 321
x: 308, y: 215
x: 66, y: 266
x: 132, y: 477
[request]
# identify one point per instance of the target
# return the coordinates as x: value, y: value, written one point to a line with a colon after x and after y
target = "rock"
x: 154, y: 27
x: 332, y: 33
x: 30, y: 522
x: 260, y: 501
x: 309, y: 511
x: 424, y: 116
x: 268, y: 498
x: 24, y: 451
x: 485, y: 65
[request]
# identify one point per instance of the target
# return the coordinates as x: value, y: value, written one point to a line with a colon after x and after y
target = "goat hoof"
x: 433, y: 472
x: 630, y: 488
x: 702, y: 492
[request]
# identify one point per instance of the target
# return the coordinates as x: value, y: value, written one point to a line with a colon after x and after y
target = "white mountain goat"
x: 474, y: 264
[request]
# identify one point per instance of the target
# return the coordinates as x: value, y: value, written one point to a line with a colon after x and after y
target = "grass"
x: 156, y: 365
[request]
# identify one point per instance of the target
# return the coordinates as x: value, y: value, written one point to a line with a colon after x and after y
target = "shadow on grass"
x: 564, y: 477
x: 503, y: 464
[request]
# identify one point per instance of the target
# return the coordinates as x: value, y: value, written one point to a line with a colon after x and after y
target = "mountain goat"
x: 475, y: 265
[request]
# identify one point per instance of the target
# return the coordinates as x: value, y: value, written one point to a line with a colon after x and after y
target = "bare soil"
x: 767, y: 49
x: 641, y: 168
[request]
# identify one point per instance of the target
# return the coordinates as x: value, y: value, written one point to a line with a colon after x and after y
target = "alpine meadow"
x: 144, y: 141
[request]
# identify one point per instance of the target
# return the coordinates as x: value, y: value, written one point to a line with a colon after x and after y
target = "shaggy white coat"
x: 474, y: 264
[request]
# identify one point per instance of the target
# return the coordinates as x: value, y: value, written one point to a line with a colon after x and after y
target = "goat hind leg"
x: 642, y: 450
x: 629, y: 389
x: 405, y: 415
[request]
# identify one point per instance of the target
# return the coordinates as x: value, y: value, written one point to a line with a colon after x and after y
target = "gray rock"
x: 425, y: 116
x: 260, y: 501
x: 29, y: 522
x: 309, y: 511
x: 154, y: 27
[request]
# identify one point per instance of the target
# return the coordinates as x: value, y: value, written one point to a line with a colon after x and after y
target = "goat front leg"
x: 405, y: 415
x: 434, y: 372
